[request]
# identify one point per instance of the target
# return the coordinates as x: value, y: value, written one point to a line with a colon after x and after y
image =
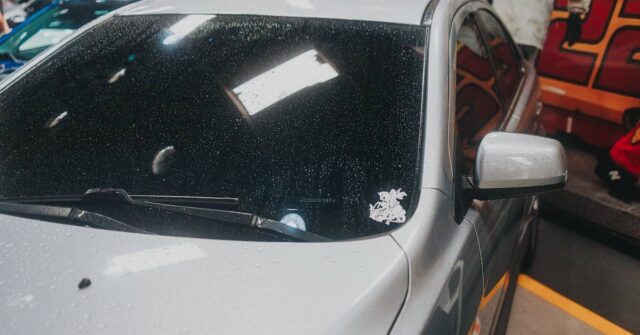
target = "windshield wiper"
x: 67, y: 213
x: 162, y: 202
x: 167, y: 199
x: 218, y: 215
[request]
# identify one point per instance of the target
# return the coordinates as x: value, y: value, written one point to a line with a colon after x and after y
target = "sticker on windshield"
x: 388, y: 209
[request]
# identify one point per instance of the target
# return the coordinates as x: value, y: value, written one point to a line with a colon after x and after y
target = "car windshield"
x: 314, y: 122
x: 48, y: 27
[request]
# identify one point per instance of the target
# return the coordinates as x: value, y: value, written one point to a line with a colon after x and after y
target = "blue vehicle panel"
x: 47, y: 27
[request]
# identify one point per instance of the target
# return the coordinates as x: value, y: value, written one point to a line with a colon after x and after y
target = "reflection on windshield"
x: 183, y: 27
x: 44, y: 38
x: 284, y: 80
x: 51, y: 25
x: 294, y: 220
x: 117, y: 75
x: 53, y: 121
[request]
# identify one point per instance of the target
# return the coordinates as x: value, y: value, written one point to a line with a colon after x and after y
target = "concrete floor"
x: 581, y: 282
x: 532, y: 314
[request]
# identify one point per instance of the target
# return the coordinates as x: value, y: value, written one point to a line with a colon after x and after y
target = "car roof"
x: 392, y: 11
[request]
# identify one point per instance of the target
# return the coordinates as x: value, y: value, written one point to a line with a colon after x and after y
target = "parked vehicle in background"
x: 271, y: 167
x: 586, y: 87
x: 25, y: 8
x: 33, y: 6
x: 48, y: 26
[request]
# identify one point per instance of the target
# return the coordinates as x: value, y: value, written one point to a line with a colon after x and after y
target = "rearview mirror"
x: 512, y: 165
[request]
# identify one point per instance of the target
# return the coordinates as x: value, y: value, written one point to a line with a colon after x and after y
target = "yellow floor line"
x: 497, y: 287
x: 592, y: 319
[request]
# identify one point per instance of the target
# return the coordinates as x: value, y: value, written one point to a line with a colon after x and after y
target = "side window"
x: 478, y: 108
x: 503, y: 50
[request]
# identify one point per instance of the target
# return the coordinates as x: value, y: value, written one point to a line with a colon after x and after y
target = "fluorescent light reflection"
x: 153, y: 258
x: 185, y: 26
x: 283, y: 80
x: 54, y: 121
x: 117, y: 75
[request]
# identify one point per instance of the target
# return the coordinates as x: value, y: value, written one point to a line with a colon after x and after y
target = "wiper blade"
x: 68, y: 213
x: 224, y: 216
x: 167, y: 199
x: 175, y: 199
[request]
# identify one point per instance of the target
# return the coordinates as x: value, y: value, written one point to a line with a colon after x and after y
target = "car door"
x: 519, y: 90
x: 488, y: 84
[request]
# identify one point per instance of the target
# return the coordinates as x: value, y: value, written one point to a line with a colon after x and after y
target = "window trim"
x: 460, y: 204
x: 472, y: 10
x: 509, y: 110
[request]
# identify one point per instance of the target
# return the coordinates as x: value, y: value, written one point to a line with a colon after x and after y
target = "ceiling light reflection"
x: 185, y: 26
x: 153, y: 258
x: 55, y: 120
x: 117, y: 75
x: 284, y: 80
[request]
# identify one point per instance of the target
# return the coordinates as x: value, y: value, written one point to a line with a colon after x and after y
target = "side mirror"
x: 510, y: 165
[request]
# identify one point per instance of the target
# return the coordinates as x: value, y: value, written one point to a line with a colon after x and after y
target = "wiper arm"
x: 230, y: 217
x: 68, y: 213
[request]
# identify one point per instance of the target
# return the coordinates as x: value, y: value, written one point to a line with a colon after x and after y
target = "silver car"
x: 275, y: 167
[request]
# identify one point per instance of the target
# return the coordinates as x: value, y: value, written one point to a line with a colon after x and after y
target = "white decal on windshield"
x: 388, y: 209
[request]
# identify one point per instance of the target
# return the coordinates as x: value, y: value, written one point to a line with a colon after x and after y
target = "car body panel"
x: 405, y: 11
x: 437, y: 170
x: 498, y: 226
x: 446, y: 273
x: 501, y: 224
x: 444, y: 256
x: 147, y: 283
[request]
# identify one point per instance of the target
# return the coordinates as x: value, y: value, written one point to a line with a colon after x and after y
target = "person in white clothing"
x: 578, y: 10
x: 528, y: 21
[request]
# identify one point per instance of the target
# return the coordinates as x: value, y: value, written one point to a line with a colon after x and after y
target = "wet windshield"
x: 314, y: 122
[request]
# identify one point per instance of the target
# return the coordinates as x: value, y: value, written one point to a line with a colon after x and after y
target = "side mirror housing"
x: 510, y: 165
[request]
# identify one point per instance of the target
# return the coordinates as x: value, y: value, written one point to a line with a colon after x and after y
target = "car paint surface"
x: 500, y: 228
x: 144, y: 284
x: 399, y: 11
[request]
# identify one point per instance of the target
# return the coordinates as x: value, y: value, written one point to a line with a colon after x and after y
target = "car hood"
x: 147, y: 284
